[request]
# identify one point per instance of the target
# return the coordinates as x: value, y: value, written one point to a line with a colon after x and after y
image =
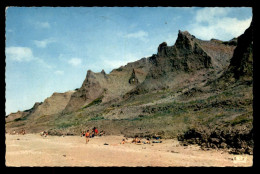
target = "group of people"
x: 92, y: 134
x: 136, y: 140
x: 44, y: 133
x: 22, y: 132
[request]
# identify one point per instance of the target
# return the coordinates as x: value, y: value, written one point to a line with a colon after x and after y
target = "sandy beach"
x: 35, y: 150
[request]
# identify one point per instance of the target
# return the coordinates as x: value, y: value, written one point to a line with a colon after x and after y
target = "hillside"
x: 197, y: 91
x: 108, y: 86
x: 40, y: 111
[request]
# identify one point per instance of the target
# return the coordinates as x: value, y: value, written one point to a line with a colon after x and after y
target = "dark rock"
x: 133, y: 79
x: 223, y: 145
x: 103, y: 72
x: 213, y: 146
x: 241, y: 63
x: 161, y: 49
x: 239, y: 140
x: 214, y: 140
x: 185, y: 144
x: 249, y: 150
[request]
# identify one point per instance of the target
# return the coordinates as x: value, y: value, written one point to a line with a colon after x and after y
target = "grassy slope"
x: 146, y: 115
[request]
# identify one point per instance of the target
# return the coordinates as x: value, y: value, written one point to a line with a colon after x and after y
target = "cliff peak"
x: 103, y: 72
x: 185, y: 33
x: 161, y: 47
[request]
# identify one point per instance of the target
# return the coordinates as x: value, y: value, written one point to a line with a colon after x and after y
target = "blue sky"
x: 50, y: 49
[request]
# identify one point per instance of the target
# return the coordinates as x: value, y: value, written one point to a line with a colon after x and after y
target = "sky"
x: 50, y: 49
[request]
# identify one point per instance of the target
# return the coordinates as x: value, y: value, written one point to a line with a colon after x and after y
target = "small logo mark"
x: 239, y: 159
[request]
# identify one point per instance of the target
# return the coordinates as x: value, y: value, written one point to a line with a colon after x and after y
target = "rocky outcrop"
x: 190, y: 53
x: 241, y: 64
x: 133, y: 79
x: 238, y: 140
x: 161, y: 49
x: 90, y: 90
x: 238, y: 137
x: 110, y: 86
x: 173, y: 65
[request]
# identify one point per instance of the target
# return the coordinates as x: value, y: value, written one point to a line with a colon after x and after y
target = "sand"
x: 34, y: 150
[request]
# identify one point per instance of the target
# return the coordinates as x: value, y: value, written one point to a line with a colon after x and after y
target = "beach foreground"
x: 35, y: 150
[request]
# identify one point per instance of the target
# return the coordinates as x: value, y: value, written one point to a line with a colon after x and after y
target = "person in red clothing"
x: 96, y: 132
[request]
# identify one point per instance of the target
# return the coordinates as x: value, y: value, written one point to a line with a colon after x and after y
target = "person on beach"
x: 139, y: 141
x: 42, y: 133
x: 96, y: 132
x: 147, y: 141
x: 135, y: 140
x: 21, y: 132
x: 87, y: 136
x: 123, y: 141
x: 157, y: 137
x: 157, y: 141
x: 102, y: 133
x: 92, y: 134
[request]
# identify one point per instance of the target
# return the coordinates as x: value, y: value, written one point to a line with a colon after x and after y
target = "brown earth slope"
x: 52, y: 105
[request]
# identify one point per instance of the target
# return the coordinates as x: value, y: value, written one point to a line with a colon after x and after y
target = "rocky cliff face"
x: 241, y: 64
x: 189, y: 59
x: 133, y: 79
x: 190, y: 53
x: 91, y: 89
x: 108, y: 86
x: 237, y: 133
